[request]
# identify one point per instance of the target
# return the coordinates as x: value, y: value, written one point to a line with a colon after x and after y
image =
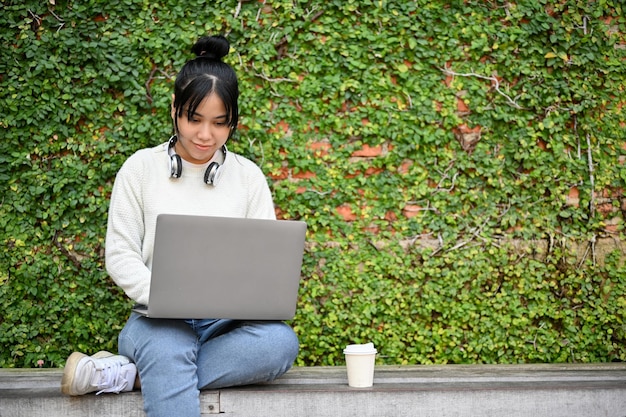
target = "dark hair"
x: 204, y: 75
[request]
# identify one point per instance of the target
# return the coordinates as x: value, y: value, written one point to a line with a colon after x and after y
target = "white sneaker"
x: 102, y: 372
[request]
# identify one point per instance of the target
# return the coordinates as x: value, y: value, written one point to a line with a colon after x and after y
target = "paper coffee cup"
x: 360, y: 361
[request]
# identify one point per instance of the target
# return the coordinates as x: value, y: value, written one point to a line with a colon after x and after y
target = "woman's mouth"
x: 202, y: 148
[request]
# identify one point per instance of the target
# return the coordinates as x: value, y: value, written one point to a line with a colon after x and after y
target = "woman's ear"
x: 173, y: 111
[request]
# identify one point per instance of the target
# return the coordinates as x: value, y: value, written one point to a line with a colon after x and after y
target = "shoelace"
x: 110, y: 380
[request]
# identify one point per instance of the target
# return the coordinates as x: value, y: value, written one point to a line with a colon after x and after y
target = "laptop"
x: 225, y: 268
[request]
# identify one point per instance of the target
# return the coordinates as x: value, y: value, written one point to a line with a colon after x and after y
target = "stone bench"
x: 555, y: 390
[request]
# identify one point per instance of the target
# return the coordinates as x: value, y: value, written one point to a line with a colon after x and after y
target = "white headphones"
x: 176, y: 164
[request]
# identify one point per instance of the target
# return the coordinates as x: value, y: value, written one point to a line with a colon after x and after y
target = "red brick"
x: 319, y: 148
x: 405, y: 166
x: 461, y: 106
x: 346, y: 212
x: 304, y: 175
x: 411, y: 210
x: 572, y: 198
x: 369, y: 151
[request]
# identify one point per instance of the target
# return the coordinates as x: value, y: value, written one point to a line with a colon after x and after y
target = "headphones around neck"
x: 176, y: 164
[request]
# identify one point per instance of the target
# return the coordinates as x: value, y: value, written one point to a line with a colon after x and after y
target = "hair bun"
x: 211, y: 47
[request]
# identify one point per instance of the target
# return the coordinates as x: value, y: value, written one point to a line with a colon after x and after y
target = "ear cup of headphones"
x: 210, y: 175
x: 176, y: 166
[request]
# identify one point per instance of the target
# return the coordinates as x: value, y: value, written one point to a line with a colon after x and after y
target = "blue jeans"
x: 178, y: 358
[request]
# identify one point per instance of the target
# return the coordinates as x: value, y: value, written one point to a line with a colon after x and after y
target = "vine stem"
x: 237, y: 10
x: 258, y: 14
x: 494, y: 80
x: 592, y: 198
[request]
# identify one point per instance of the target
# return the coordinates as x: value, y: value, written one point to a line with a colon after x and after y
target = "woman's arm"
x: 125, y: 257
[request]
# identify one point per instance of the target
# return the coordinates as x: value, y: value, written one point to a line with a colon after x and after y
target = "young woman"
x: 192, y: 173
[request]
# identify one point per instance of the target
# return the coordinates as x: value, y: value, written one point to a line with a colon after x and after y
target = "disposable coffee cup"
x: 360, y: 364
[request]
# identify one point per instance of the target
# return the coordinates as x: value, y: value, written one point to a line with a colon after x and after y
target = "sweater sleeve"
x: 260, y: 204
x: 124, y: 256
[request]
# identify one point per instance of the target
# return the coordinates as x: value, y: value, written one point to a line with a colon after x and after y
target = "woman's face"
x: 204, y: 132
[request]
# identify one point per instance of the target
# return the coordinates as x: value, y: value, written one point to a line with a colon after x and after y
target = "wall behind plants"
x: 459, y: 165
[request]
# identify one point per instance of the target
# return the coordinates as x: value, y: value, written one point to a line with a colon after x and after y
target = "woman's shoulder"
x: 150, y: 152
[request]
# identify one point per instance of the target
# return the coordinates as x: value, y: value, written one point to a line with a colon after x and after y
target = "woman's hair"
x: 205, y: 75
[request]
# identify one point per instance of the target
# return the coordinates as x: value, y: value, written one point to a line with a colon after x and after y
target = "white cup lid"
x: 365, y: 349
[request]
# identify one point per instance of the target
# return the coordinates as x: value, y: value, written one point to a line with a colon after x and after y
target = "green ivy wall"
x: 460, y: 165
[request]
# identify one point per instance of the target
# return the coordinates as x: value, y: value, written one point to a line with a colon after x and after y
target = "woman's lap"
x: 176, y: 357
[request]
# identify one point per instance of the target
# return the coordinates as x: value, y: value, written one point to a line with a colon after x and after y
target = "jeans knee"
x: 291, y: 343
x: 150, y: 340
x: 282, y: 343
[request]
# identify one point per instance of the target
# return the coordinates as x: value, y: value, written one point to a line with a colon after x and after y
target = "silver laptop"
x: 221, y: 267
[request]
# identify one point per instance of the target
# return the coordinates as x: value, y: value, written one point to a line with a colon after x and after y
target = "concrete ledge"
x: 553, y: 390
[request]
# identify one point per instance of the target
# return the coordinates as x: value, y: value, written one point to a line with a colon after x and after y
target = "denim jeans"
x: 177, y: 358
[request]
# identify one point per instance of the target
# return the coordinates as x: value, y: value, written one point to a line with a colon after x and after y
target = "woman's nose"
x: 205, y: 131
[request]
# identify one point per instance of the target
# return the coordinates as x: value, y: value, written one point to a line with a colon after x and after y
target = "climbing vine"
x: 460, y: 166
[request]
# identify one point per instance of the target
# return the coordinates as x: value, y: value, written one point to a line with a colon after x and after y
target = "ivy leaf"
x: 403, y: 68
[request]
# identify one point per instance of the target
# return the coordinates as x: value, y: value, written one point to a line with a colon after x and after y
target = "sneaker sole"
x: 69, y: 371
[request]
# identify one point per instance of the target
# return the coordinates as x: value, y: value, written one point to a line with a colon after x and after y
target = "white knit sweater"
x: 143, y: 189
